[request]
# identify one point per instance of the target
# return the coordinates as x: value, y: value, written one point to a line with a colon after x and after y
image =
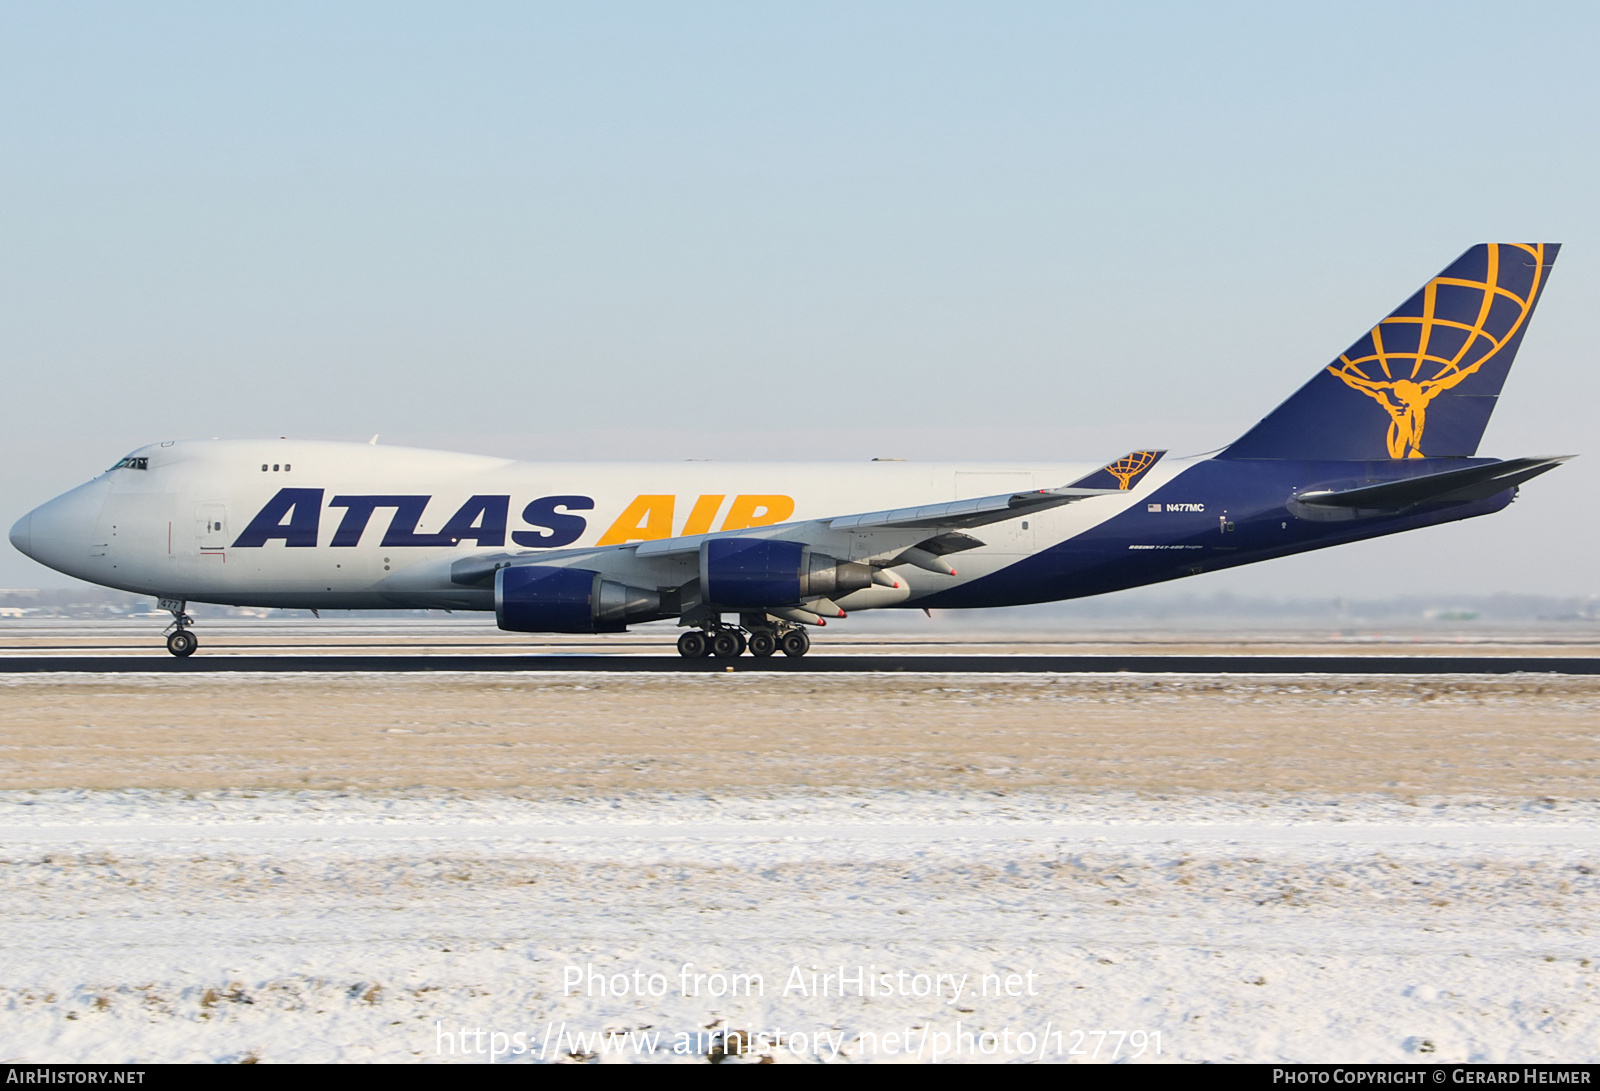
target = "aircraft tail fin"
x: 1423, y: 381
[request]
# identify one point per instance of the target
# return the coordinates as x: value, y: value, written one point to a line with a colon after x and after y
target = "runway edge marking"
x: 924, y: 664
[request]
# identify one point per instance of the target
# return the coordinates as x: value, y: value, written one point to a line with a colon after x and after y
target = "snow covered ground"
x: 854, y: 925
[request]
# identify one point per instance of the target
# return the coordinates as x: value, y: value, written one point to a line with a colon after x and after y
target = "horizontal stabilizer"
x: 1451, y: 486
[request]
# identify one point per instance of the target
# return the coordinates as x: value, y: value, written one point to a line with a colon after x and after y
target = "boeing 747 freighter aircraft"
x: 746, y: 555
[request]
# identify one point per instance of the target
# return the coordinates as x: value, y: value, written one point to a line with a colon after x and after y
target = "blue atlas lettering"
x: 557, y: 527
x: 293, y: 515
x: 403, y: 527
x: 483, y: 519
x: 359, y: 514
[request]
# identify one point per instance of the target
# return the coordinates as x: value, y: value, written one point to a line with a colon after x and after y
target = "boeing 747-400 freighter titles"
x: 1382, y: 440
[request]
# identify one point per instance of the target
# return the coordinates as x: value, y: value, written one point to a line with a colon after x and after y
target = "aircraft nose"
x: 57, y: 532
x: 22, y: 534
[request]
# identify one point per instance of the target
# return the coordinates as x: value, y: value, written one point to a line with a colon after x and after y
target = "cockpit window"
x: 131, y: 463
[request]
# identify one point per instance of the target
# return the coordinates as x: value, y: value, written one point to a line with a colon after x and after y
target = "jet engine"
x: 751, y: 573
x: 547, y: 599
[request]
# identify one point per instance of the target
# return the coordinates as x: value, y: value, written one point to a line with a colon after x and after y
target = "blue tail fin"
x: 1424, y: 380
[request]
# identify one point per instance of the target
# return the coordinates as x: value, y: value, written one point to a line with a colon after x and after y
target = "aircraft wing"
x: 884, y: 530
x: 928, y: 518
x: 881, y: 538
x: 966, y: 513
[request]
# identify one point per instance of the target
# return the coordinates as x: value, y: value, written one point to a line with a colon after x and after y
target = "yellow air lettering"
x: 703, y: 514
x: 645, y: 520
x: 757, y: 511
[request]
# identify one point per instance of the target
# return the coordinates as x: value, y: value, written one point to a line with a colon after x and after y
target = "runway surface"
x: 430, y: 836
x: 343, y: 842
x: 813, y: 664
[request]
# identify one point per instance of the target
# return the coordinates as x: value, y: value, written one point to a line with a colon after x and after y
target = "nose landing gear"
x: 180, y: 641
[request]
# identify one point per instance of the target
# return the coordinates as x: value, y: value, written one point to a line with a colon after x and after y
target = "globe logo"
x: 1407, y: 360
x: 1128, y: 468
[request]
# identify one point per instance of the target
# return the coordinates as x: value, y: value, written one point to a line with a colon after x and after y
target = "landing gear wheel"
x: 763, y: 644
x: 182, y: 643
x: 727, y: 644
x: 795, y: 642
x: 692, y: 644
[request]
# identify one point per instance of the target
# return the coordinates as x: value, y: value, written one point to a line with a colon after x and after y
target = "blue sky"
x: 768, y: 231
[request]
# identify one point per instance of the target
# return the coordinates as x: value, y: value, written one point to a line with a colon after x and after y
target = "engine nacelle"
x: 750, y: 573
x: 546, y: 599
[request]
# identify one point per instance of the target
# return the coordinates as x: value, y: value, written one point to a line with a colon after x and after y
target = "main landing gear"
x: 726, y: 642
x: 180, y: 641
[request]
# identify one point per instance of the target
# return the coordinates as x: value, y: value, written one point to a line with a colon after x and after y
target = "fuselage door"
x: 212, y: 524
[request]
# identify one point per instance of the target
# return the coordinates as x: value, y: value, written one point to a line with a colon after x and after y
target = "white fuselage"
x: 175, y: 520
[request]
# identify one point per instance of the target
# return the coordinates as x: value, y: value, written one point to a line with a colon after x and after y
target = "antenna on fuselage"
x: 373, y: 442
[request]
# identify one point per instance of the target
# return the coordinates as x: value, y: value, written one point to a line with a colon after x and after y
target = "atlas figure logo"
x: 1441, y: 336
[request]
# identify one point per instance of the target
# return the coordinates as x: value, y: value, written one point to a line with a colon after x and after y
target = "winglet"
x: 1122, y: 474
